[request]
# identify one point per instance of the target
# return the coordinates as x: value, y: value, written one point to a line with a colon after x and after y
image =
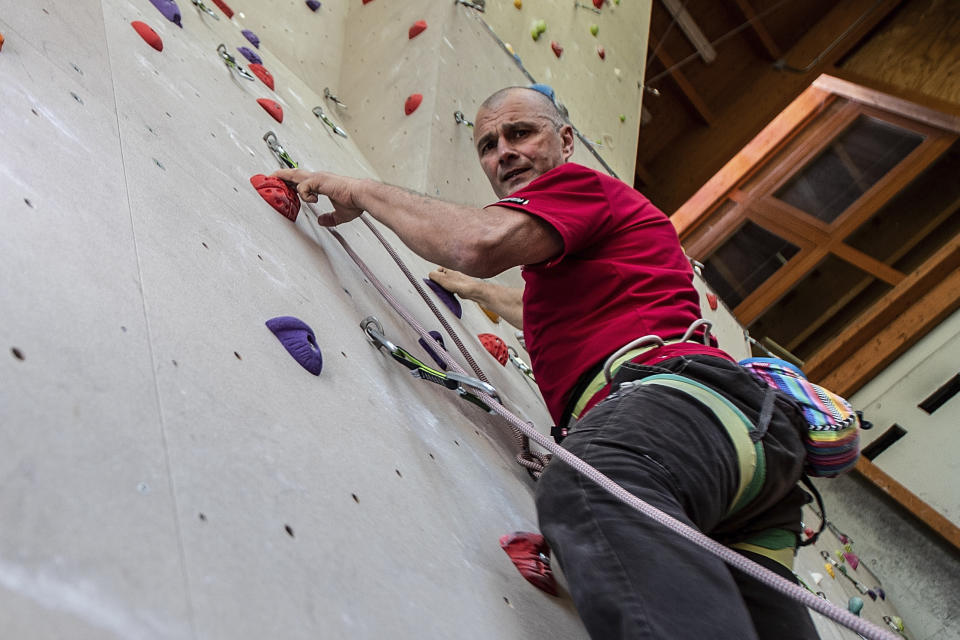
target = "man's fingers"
x: 327, y: 220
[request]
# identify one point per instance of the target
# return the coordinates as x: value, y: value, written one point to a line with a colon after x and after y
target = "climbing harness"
x: 451, y: 380
x: 205, y: 9
x: 332, y: 98
x: 325, y: 119
x: 281, y: 154
x: 232, y: 64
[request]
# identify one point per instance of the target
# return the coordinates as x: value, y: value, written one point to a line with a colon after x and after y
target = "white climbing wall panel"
x: 168, y: 471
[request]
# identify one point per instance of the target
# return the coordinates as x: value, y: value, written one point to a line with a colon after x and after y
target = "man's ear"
x: 566, y: 137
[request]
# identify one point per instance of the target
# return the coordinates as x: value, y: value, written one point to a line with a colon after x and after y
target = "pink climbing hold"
x: 227, y: 11
x: 149, y: 35
x: 412, y: 103
x: 278, y: 195
x: 417, y: 28
x: 601, y: 52
x: 712, y: 301
x: 272, y: 108
x: 496, y: 346
x: 557, y: 49
x: 530, y: 554
x: 261, y: 72
x: 852, y: 559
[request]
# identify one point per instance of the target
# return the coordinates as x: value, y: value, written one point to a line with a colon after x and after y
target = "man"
x: 602, y: 267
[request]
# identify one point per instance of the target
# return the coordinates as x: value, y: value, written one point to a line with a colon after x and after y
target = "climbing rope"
x: 842, y: 616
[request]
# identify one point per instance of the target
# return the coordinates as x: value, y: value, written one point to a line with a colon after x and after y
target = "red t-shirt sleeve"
x: 572, y: 200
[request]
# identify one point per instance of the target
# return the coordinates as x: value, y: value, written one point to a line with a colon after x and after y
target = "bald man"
x: 602, y: 267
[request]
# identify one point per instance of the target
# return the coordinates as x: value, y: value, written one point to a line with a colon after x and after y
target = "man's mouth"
x: 510, y: 175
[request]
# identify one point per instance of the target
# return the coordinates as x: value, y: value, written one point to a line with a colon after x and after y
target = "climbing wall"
x: 169, y: 471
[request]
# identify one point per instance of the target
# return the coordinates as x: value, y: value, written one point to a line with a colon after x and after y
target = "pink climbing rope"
x: 841, y: 616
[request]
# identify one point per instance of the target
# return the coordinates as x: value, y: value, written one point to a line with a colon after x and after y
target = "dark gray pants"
x: 633, y: 578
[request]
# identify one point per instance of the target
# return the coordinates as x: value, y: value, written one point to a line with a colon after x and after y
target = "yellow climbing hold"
x: 490, y: 314
x: 594, y: 30
x: 518, y: 4
x: 509, y: 47
x: 830, y: 571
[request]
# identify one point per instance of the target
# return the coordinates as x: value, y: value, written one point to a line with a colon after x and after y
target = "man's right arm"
x: 507, y: 302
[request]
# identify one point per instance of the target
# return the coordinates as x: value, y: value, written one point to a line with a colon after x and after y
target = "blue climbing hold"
x: 855, y: 605
x: 430, y: 350
x: 545, y: 89
x: 446, y: 297
x: 252, y: 37
x: 313, y: 4
x: 299, y: 341
x: 251, y: 57
x: 169, y: 9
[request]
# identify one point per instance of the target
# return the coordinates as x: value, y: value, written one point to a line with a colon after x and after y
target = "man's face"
x: 517, y: 141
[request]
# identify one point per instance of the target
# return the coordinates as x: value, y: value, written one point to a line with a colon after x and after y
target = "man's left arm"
x: 478, y: 242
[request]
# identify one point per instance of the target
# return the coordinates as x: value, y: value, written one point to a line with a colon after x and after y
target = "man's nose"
x: 505, y: 150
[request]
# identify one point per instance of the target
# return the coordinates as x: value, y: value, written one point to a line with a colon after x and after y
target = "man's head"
x: 520, y: 135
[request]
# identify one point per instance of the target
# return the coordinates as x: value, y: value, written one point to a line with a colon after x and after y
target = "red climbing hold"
x: 412, y: 103
x: 149, y: 35
x: 712, y: 301
x: 278, y: 195
x: 367, y: 1
x: 598, y: 3
x: 261, y: 72
x: 531, y: 556
x: 496, y: 347
x: 1, y: 42
x: 557, y: 49
x: 224, y: 7
x: 417, y: 28
x: 272, y: 108
x: 601, y: 52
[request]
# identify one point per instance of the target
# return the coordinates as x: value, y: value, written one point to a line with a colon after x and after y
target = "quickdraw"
x: 449, y: 379
x: 204, y: 8
x: 232, y: 64
x: 325, y: 119
x: 281, y: 154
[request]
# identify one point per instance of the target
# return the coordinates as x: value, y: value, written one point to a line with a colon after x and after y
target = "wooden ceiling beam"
x: 689, y: 92
x: 766, y: 38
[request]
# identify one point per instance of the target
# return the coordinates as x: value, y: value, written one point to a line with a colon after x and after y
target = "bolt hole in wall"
x: 17, y: 353
x: 355, y: 498
x: 203, y: 518
x: 28, y: 203
x: 289, y: 530
x: 238, y: 355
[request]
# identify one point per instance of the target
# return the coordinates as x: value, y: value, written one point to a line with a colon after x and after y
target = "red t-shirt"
x: 622, y: 275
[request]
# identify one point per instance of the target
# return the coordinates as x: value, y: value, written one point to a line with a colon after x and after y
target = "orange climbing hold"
x: 149, y: 35
x: 417, y: 28
x: 412, y: 103
x: 712, y: 301
x: 272, y: 108
x: 494, y: 318
x: 557, y: 49
x: 224, y: 7
x: 1, y: 42
x: 261, y: 72
x: 278, y: 195
x: 496, y: 346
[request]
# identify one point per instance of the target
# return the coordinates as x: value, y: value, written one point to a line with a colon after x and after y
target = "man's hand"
x: 506, y: 302
x: 339, y: 189
x: 455, y: 282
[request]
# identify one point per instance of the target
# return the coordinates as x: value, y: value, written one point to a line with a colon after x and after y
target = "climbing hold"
x: 830, y: 572
x: 545, y: 89
x: 417, y: 28
x: 169, y: 9
x: 313, y: 4
x: 272, y: 108
x: 534, y: 34
x: 300, y: 342
x: 518, y: 4
x: 601, y: 52
x: 855, y: 605
x: 557, y: 49
x: 149, y: 35
x: 430, y: 350
x: 598, y: 3
x: 248, y: 53
x: 227, y: 11
x: 817, y: 577
x: 712, y: 301
x: 617, y: 73
x: 808, y: 531
x: 594, y: 30
x: 496, y: 346
x: 252, y: 37
x: 852, y: 559
x: 881, y: 593
x: 1, y: 42
x: 872, y: 594
x: 413, y: 101
x: 509, y: 48
x: 623, y: 118
x: 530, y: 554
x: 367, y: 1
x: 494, y: 318
x: 446, y: 297
x: 261, y: 72
x: 278, y: 195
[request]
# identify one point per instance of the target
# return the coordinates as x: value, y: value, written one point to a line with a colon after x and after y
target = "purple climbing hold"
x: 446, y: 297
x: 313, y: 4
x: 430, y: 350
x: 169, y: 9
x: 299, y: 341
x: 250, y: 55
x: 252, y: 37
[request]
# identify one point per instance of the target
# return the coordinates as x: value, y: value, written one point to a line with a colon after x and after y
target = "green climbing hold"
x: 540, y: 25
x: 623, y: 118
x: 594, y: 30
x: 855, y: 605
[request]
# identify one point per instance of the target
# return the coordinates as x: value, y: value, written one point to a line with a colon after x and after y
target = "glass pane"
x: 848, y: 167
x: 819, y: 307
x: 745, y: 261
x: 918, y: 220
